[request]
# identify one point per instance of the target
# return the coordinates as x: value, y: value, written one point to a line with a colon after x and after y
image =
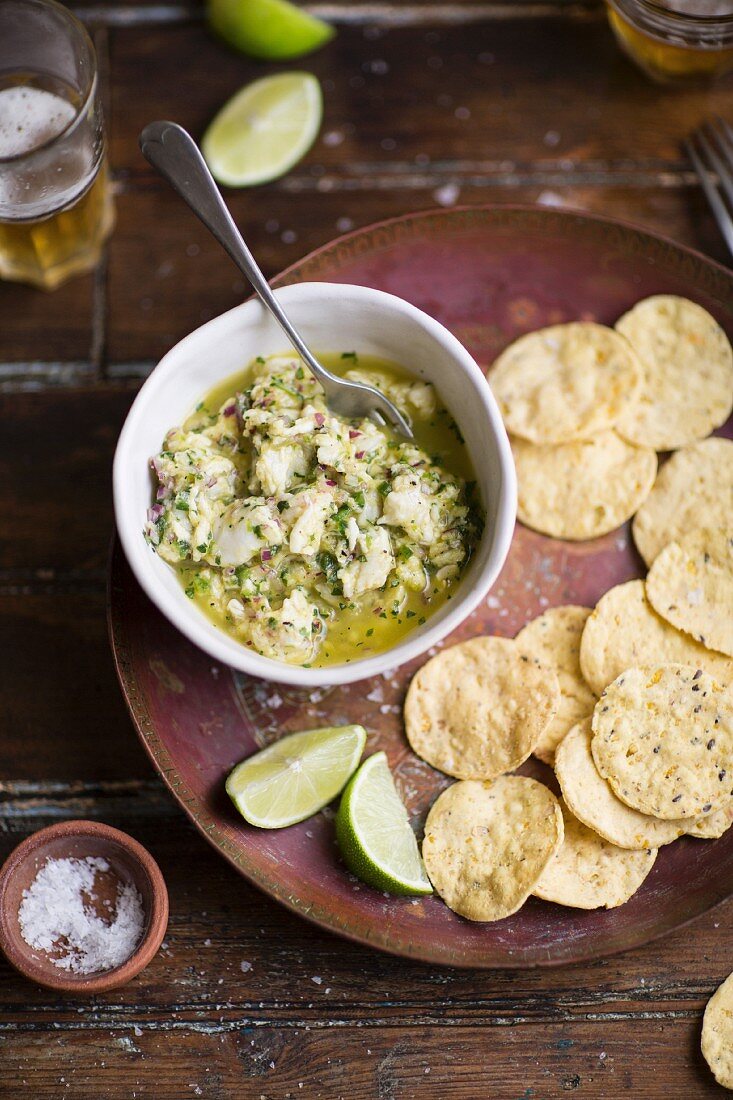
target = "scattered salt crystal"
x: 447, y: 194
x: 57, y: 914
x: 462, y: 113
x: 551, y: 138
x: 245, y: 966
x: 137, y: 1031
x: 549, y: 198
x: 376, y: 695
x: 388, y: 144
x: 333, y: 137
x: 344, y: 224
x: 288, y: 236
x: 275, y: 701
x: 317, y: 980
x: 378, y: 66
x: 207, y: 943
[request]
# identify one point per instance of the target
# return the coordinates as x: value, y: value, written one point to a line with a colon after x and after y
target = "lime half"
x: 264, y: 129
x: 374, y: 833
x: 296, y: 777
x: 274, y: 30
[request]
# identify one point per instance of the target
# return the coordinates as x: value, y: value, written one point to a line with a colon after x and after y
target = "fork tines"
x: 711, y: 151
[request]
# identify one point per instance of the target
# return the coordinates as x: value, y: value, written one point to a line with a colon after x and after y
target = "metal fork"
x: 711, y: 151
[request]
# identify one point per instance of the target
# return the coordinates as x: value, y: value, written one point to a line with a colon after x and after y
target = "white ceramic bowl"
x: 331, y: 317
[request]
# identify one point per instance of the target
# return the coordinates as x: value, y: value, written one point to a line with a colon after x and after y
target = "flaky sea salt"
x: 57, y: 915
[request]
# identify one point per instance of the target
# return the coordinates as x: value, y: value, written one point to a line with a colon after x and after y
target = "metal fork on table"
x: 711, y: 151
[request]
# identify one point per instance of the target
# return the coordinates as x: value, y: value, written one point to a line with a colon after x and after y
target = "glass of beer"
x: 56, y: 206
x: 676, y: 41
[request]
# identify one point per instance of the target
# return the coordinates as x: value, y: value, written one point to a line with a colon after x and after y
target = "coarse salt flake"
x: 57, y: 914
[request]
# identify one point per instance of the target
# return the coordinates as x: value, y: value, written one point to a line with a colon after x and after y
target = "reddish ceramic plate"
x: 489, y: 274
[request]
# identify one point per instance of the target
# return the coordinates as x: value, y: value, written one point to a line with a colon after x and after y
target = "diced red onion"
x: 266, y: 555
x: 155, y: 512
x: 359, y: 454
x: 319, y: 419
x: 230, y: 410
x: 330, y: 482
x: 353, y: 434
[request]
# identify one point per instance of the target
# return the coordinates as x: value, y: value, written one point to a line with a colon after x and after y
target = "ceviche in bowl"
x: 289, y: 541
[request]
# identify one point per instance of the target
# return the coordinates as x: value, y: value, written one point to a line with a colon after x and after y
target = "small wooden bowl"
x: 128, y: 860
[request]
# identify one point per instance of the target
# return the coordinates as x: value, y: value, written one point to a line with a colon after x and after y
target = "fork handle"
x: 174, y: 153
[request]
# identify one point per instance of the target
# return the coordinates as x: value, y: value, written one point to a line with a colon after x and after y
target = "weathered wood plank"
x: 55, y: 470
x: 294, y: 972
x: 183, y: 278
x: 63, y: 714
x: 115, y: 13
x: 406, y: 1060
x: 36, y: 325
x: 511, y: 92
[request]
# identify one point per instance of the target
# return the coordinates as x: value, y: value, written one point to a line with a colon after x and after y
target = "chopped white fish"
x: 371, y: 568
x: 290, y: 523
x: 242, y: 530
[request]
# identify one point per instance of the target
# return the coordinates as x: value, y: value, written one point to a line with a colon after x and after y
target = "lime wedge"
x: 374, y: 833
x: 274, y: 30
x: 264, y: 129
x: 296, y: 777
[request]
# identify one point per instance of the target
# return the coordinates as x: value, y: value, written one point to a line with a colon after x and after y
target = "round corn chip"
x: 712, y: 825
x: 565, y: 382
x: 554, y: 638
x: 687, y: 373
x: 486, y: 844
x: 690, y: 584
x: 593, y: 802
x: 717, y: 1034
x: 625, y: 631
x: 584, y: 489
x: 477, y: 710
x: 691, y: 489
x: 587, y: 872
x: 663, y: 738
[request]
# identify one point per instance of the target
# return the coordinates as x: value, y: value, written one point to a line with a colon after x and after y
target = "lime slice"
x: 374, y: 833
x: 296, y: 777
x: 264, y: 129
x: 274, y: 30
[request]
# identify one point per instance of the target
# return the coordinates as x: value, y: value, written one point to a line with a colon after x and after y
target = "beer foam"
x: 29, y: 117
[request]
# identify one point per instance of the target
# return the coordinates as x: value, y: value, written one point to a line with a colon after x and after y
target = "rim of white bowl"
x: 226, y: 650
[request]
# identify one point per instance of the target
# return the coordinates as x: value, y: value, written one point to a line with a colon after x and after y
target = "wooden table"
x: 471, y: 101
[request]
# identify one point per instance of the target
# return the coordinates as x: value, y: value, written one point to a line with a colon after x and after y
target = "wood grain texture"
x: 241, y: 984
x: 426, y: 103
x: 554, y: 93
